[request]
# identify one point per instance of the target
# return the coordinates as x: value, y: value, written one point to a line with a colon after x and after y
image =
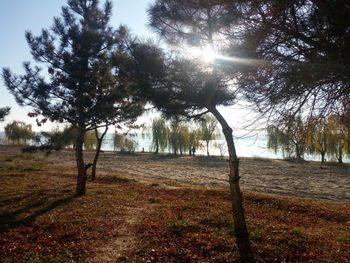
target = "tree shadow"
x: 9, y: 220
x: 114, y: 180
x: 210, y: 161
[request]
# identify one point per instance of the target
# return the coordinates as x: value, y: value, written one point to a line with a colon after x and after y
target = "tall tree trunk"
x: 297, y: 152
x: 340, y: 154
x: 323, y: 153
x: 240, y: 226
x: 157, y: 147
x: 207, y: 148
x: 97, y: 152
x: 81, y: 179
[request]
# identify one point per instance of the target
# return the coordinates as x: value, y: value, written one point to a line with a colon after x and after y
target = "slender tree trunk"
x: 323, y: 153
x: 207, y: 148
x: 340, y: 154
x: 98, y: 150
x: 190, y: 150
x: 81, y: 179
x: 297, y: 152
x: 157, y: 147
x: 240, y: 226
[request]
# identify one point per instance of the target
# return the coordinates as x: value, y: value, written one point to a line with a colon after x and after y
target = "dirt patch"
x: 312, y: 179
x: 119, y: 249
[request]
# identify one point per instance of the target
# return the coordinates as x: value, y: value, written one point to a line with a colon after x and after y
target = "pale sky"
x: 17, y: 16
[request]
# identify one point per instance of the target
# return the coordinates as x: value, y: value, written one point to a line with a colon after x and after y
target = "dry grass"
x: 125, y: 220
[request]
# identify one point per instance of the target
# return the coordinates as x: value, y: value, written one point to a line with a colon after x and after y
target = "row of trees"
x: 282, y: 56
x: 19, y: 132
x: 180, y: 137
x: 324, y: 136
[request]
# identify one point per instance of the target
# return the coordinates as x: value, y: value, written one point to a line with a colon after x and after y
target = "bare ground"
x: 308, y: 179
x: 130, y: 238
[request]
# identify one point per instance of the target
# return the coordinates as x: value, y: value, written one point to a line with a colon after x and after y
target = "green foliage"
x: 208, y: 129
x: 194, y: 140
x: 173, y: 136
x: 330, y: 136
x: 178, y: 137
x: 90, y: 141
x: 69, y: 136
x: 302, y: 52
x: 159, y: 134
x: 320, y: 137
x: 325, y: 136
x: 123, y: 143
x: 289, y: 137
x: 19, y: 132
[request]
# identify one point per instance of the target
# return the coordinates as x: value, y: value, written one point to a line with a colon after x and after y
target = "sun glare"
x: 206, y: 54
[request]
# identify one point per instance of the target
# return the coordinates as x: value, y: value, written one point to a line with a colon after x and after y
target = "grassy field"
x: 122, y: 219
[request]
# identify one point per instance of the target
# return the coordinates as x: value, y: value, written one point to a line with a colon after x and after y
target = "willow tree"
x: 194, y: 87
x: 90, y: 141
x: 19, y: 132
x: 319, y: 137
x: 159, y: 135
x: 338, y: 138
x: 290, y: 136
x: 83, y: 57
x: 208, y: 130
x: 194, y: 140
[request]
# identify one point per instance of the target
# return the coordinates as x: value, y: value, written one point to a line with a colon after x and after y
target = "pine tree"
x: 4, y: 112
x: 301, y: 53
x: 84, y: 57
x: 190, y: 88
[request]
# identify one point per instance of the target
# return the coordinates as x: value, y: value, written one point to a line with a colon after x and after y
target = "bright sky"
x: 17, y: 16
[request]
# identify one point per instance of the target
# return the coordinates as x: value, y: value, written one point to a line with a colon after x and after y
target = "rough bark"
x: 240, y: 226
x: 157, y: 147
x: 340, y: 155
x: 97, y: 152
x: 323, y: 156
x: 81, y: 179
x: 207, y: 148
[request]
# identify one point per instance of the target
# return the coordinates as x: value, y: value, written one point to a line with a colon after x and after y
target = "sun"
x: 207, y: 53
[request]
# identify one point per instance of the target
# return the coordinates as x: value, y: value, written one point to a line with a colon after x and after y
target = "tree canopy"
x: 304, y: 45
